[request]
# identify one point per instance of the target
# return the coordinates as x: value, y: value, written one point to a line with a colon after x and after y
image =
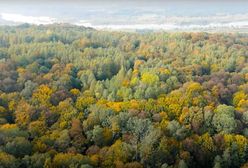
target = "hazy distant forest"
x: 74, y: 97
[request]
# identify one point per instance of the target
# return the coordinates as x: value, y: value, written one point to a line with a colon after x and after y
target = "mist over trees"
x: 76, y: 97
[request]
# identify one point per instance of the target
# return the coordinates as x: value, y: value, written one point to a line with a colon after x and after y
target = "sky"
x: 129, y: 14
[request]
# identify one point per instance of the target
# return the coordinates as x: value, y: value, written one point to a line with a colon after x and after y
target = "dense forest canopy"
x: 80, y: 98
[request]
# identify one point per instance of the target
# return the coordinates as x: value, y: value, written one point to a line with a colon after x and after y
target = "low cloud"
x: 139, y: 22
x: 231, y: 25
x: 18, y: 18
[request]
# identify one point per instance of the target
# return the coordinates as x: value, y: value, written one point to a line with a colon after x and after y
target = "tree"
x: 42, y: 95
x: 101, y: 136
x: 23, y: 114
x: 119, y: 152
x: 76, y: 134
x: 148, y: 151
x: 37, y: 128
x: 217, y: 162
x: 37, y: 160
x: 83, y: 102
x: 149, y: 78
x: 3, y: 115
x: 63, y: 142
x: 224, y: 120
x: 7, y: 160
x: 245, y: 118
x: 182, y: 164
x: 28, y: 89
x: 176, y: 130
x: 139, y: 128
x: 69, y: 160
x: 19, y: 147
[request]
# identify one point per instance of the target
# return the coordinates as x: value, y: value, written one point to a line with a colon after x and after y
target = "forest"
x: 75, y: 97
